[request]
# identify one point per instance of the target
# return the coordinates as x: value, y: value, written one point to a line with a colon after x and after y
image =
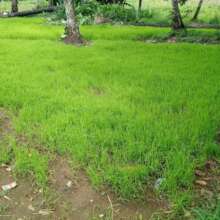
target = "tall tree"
x: 51, y: 3
x: 72, y: 29
x: 195, y: 16
x: 139, y: 6
x: 177, y: 21
x: 14, y: 6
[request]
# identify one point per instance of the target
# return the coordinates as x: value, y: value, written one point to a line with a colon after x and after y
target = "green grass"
x: 127, y: 111
x: 159, y: 11
x: 5, y: 152
x: 210, y: 213
x: 31, y: 162
x: 27, y: 161
x: 45, y: 31
x: 40, y: 30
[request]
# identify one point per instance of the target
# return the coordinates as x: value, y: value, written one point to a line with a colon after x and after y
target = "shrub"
x: 215, y: 20
x: 87, y: 12
x: 117, y: 13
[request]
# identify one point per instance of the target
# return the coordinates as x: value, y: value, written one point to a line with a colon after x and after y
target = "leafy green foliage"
x: 88, y: 10
x: 117, y: 13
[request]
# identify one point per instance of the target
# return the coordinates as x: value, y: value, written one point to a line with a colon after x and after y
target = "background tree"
x: 121, y: 2
x: 177, y: 21
x: 51, y: 3
x: 197, y: 10
x: 139, y: 6
x: 14, y: 6
x: 72, y: 29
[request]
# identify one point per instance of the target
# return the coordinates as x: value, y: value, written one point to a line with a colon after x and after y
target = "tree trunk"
x: 177, y: 21
x: 14, y: 6
x: 72, y: 29
x: 197, y: 11
x: 50, y: 3
x: 139, y: 6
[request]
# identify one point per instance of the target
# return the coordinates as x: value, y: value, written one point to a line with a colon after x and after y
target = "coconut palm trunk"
x: 177, y: 21
x: 72, y: 29
x: 14, y: 6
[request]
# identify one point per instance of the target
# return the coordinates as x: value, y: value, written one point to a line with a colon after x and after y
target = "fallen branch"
x: 30, y: 12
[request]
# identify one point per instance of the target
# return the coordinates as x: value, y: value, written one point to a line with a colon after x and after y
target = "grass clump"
x: 210, y: 213
x: 5, y: 153
x: 127, y: 181
x: 26, y: 161
x: 30, y: 162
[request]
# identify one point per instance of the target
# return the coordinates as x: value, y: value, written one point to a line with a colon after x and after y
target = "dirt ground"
x: 70, y: 194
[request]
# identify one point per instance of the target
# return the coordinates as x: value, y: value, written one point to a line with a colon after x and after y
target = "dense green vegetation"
x: 160, y: 11
x: 127, y: 111
x: 155, y: 12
